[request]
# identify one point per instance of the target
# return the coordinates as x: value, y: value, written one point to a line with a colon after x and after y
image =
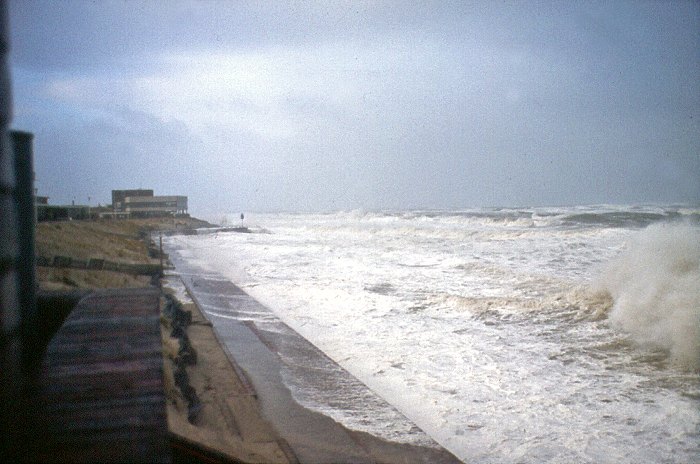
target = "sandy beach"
x: 231, y: 420
x: 229, y: 425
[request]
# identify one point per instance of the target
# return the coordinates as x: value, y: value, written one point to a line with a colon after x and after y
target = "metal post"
x: 26, y: 263
x: 161, y: 255
x: 14, y: 380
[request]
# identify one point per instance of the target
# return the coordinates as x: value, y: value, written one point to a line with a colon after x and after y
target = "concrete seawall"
x: 272, y: 356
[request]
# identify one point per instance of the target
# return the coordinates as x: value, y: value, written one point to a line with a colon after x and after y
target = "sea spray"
x: 480, y: 328
x: 655, y: 285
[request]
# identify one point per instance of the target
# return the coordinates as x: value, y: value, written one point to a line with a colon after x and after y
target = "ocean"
x: 568, y: 334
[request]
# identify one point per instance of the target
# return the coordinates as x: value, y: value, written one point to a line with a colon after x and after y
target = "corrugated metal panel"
x: 101, y: 396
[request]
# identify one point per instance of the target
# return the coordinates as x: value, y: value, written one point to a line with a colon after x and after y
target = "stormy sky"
x: 338, y: 105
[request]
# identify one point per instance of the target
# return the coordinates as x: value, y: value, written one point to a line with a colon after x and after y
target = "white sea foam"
x: 480, y: 325
x: 655, y: 284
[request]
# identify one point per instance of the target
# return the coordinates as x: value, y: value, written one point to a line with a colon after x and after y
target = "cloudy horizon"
x: 317, y: 106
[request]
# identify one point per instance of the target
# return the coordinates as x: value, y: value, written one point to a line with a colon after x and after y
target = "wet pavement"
x: 302, y: 392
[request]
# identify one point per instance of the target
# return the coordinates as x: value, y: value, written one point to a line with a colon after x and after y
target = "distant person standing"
x: 242, y: 217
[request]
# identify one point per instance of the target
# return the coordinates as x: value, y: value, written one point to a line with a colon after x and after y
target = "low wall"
x: 98, y: 265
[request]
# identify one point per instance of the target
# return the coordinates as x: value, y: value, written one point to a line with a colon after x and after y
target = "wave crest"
x: 655, y: 285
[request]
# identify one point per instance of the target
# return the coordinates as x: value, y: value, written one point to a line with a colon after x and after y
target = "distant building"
x: 46, y: 212
x: 61, y: 212
x: 142, y: 203
x: 118, y: 197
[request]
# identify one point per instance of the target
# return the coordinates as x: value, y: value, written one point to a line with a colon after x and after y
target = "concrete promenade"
x: 273, y: 356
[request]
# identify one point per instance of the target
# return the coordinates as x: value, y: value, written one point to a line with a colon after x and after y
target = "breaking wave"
x: 655, y: 285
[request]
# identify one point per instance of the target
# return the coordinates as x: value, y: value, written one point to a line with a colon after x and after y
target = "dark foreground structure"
x: 18, y: 364
x: 99, y: 395
x: 80, y: 376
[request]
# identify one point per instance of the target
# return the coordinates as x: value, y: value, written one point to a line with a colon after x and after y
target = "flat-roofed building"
x: 142, y: 203
x: 156, y: 205
x: 118, y: 196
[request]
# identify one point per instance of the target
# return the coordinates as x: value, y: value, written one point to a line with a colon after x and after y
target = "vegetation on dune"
x: 124, y: 241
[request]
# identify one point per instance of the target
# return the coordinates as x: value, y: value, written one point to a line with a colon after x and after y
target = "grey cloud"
x: 312, y: 105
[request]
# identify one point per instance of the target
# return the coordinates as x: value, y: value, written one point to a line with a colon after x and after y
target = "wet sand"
x: 229, y: 422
